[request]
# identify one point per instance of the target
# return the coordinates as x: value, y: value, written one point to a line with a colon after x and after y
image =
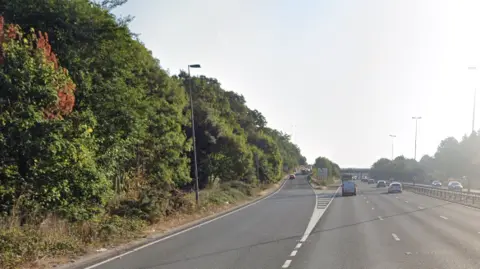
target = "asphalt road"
x: 376, y: 230
x: 260, y: 236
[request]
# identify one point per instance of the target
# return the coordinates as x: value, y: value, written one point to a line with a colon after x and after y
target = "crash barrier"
x: 460, y: 197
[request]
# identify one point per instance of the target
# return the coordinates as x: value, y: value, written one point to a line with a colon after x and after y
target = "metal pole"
x: 257, y: 166
x: 392, y: 148
x: 193, y: 136
x: 415, y: 152
x: 473, y: 68
x: 393, y: 139
x: 416, y: 131
x: 474, y: 104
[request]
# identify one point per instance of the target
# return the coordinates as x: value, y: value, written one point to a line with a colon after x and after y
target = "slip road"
x: 263, y: 235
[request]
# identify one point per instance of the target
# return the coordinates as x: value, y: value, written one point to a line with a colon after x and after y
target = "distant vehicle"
x: 365, y: 179
x: 292, y: 176
x: 346, y: 177
x: 381, y: 184
x: 395, y: 187
x: 436, y: 184
x: 455, y: 186
x: 371, y: 181
x: 349, y: 188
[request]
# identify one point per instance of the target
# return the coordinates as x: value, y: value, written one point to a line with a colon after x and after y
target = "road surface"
x: 372, y: 230
x: 376, y: 230
x: 260, y: 236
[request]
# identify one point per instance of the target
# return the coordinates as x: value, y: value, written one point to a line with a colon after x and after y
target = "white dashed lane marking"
x: 287, y: 264
x: 395, y: 237
x: 323, y: 201
x: 443, y: 217
x: 421, y: 207
x: 380, y: 218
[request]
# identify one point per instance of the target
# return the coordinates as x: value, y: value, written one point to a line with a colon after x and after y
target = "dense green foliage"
x: 453, y: 160
x: 112, y: 135
x: 332, y: 168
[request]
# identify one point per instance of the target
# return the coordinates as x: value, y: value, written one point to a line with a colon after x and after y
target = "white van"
x: 349, y: 188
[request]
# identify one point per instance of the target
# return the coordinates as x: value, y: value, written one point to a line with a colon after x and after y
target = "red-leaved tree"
x: 65, y: 86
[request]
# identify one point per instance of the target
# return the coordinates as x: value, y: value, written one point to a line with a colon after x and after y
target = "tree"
x: 140, y: 145
x: 332, y: 168
x: 47, y: 150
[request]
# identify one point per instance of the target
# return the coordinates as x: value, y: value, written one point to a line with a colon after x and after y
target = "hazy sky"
x: 340, y: 75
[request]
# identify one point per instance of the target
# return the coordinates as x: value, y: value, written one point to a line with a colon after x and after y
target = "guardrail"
x: 442, y: 187
x: 460, y: 197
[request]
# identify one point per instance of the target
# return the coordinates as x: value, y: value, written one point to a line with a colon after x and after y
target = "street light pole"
x: 474, y: 100
x: 193, y: 133
x: 474, y: 104
x: 393, y: 138
x: 416, y: 128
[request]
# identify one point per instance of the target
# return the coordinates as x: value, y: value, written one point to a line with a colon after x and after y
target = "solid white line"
x: 316, y: 216
x: 298, y: 245
x: 395, y: 237
x: 293, y: 253
x: 185, y: 230
x: 443, y: 217
x: 286, y: 264
x: 380, y: 218
x: 307, y: 232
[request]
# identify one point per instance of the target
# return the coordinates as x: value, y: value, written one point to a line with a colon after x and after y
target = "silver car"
x: 395, y: 187
x: 455, y: 186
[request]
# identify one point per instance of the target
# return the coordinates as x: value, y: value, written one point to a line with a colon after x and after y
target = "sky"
x: 340, y: 76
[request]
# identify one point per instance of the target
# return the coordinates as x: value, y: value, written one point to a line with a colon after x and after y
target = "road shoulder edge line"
x: 95, y: 260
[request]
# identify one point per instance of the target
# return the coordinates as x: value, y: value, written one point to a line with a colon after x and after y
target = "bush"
x: 95, y: 132
x: 46, y: 151
x: 29, y: 244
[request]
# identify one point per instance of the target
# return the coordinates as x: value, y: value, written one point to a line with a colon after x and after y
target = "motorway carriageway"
x: 373, y: 230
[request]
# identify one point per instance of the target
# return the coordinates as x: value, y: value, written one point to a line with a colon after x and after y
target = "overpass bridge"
x: 358, y: 172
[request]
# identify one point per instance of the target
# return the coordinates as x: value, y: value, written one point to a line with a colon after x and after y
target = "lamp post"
x: 416, y: 127
x: 193, y: 132
x: 473, y: 68
x: 393, y: 138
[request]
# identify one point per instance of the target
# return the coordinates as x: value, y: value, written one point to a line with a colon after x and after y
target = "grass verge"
x: 57, y: 242
x: 323, y: 183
